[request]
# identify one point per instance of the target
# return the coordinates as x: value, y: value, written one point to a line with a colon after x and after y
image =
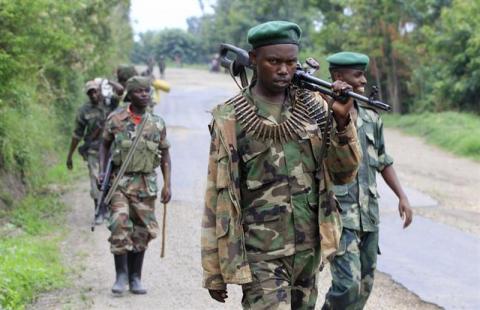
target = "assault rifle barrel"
x: 300, y: 78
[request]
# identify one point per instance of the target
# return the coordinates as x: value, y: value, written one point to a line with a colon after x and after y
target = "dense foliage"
x: 425, y: 54
x: 48, y: 49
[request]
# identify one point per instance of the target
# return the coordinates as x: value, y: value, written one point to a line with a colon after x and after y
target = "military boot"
x: 121, y: 269
x: 135, y: 263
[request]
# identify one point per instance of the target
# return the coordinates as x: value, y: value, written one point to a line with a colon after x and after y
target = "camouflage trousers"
x: 132, y: 223
x: 92, y: 164
x: 284, y: 283
x: 353, y: 270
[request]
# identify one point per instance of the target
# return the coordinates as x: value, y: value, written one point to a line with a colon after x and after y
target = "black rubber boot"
x: 121, y: 269
x: 135, y: 263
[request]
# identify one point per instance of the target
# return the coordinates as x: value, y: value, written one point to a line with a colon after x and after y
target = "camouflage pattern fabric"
x: 284, y: 283
x: 278, y: 189
x: 353, y: 271
x: 224, y: 253
x: 92, y: 163
x: 89, y: 119
x: 359, y: 199
x: 132, y: 223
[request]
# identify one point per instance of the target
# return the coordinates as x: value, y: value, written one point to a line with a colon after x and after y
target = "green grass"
x: 30, y: 257
x: 456, y: 132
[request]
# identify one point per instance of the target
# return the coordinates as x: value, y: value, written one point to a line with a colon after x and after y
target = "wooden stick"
x: 164, y: 230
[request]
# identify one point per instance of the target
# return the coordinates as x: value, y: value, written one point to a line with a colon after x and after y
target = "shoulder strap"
x: 128, y: 158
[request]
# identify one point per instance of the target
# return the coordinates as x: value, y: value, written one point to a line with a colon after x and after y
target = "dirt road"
x: 175, y: 281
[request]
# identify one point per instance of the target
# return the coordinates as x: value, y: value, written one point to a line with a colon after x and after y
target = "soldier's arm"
x: 77, y: 136
x: 165, y: 166
x: 385, y: 167
x: 212, y: 278
x: 344, y: 154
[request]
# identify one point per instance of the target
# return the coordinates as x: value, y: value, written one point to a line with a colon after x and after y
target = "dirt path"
x: 175, y: 281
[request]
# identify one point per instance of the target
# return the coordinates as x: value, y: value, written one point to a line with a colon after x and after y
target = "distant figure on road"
x: 215, y: 63
x: 270, y: 212
x: 161, y: 66
x: 132, y: 220
x: 354, y: 265
x: 89, y: 124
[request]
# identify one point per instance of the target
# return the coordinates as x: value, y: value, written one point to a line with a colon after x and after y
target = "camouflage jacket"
x: 140, y: 177
x: 224, y: 256
x: 88, y: 126
x: 358, y: 200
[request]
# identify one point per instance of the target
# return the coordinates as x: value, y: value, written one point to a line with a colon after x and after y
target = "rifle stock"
x: 302, y: 79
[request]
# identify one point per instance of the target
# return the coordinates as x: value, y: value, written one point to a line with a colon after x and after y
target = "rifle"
x: 302, y: 79
x: 101, y: 207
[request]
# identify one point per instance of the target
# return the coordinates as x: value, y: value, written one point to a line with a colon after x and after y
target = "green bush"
x: 456, y: 132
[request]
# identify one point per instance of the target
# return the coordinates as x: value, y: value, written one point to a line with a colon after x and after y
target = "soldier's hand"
x: 166, y: 194
x: 341, y: 108
x: 69, y: 163
x: 218, y: 295
x: 405, y: 211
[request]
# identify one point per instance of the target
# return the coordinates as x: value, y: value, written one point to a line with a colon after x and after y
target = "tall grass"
x: 456, y: 132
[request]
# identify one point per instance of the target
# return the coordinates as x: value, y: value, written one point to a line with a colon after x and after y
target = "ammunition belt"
x: 305, y: 110
x: 316, y: 111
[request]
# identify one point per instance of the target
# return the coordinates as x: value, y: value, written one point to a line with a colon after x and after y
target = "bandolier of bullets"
x: 306, y: 110
x: 316, y: 111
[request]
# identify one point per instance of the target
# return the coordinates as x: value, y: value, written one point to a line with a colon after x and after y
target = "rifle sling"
x: 127, y: 160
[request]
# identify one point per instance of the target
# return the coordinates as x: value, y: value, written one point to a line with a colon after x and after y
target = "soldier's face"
x: 275, y: 65
x: 140, y: 97
x: 94, y: 96
x: 356, y: 78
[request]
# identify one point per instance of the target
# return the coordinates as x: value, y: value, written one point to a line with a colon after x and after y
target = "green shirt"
x: 278, y: 190
x: 88, y: 125
x: 359, y: 199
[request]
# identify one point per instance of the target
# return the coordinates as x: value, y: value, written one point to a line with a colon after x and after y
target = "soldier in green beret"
x: 354, y: 264
x: 132, y: 209
x: 270, y: 211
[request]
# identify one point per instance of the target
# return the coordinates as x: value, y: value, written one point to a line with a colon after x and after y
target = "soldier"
x: 88, y: 126
x: 354, y: 264
x: 269, y: 205
x: 132, y: 209
x: 161, y: 66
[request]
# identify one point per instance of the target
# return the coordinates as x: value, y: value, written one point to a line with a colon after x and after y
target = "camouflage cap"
x: 124, y: 72
x: 274, y: 32
x: 350, y: 60
x: 137, y: 82
x: 91, y: 85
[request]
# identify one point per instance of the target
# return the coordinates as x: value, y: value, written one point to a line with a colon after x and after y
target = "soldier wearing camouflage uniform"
x: 132, y: 209
x: 88, y: 126
x: 354, y: 264
x: 270, y: 212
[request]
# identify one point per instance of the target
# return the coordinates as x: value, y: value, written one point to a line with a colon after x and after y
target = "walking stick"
x: 164, y: 230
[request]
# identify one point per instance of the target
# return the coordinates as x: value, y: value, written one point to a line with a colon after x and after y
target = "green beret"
x: 349, y: 60
x: 137, y: 82
x: 124, y: 72
x: 274, y: 32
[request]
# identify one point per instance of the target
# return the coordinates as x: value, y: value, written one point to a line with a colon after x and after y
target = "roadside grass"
x: 30, y: 239
x: 455, y: 132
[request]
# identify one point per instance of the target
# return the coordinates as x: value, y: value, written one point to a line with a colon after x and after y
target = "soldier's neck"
x: 137, y: 110
x: 269, y: 96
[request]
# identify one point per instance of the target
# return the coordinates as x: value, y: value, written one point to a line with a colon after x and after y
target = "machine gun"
x: 240, y: 61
